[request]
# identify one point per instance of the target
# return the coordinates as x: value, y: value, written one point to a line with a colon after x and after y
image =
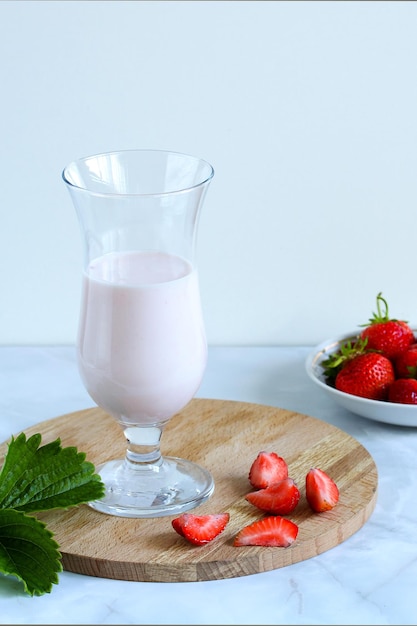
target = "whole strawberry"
x: 389, y: 336
x: 354, y: 370
x: 367, y: 375
x: 405, y: 364
x: 403, y: 391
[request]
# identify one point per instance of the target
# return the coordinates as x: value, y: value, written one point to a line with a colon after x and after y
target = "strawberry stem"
x: 379, y: 317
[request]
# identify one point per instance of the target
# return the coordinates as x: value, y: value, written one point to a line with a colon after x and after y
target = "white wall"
x: 307, y: 111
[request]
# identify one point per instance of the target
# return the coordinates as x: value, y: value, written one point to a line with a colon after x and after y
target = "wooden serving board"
x: 225, y: 437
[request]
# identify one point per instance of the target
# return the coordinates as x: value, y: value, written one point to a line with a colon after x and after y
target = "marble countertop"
x: 368, y: 579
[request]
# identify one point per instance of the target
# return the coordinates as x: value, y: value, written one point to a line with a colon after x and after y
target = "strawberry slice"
x: 200, y: 529
x: 280, y: 498
x: 272, y: 531
x: 267, y: 468
x: 321, y: 491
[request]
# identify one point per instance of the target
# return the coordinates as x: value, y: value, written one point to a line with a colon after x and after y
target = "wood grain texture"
x: 225, y: 437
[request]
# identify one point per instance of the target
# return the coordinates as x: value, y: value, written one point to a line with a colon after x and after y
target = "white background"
x: 306, y: 110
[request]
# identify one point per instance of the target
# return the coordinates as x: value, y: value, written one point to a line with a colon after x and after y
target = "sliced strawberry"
x: 266, y: 469
x: 200, y: 529
x: 321, y: 491
x: 280, y: 498
x: 270, y: 531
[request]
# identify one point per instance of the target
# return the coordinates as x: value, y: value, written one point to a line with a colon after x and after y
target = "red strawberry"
x: 200, y: 529
x: 388, y: 336
x: 367, y: 375
x: 280, y: 498
x: 404, y: 391
x: 405, y: 364
x: 266, y: 469
x: 321, y: 491
x: 269, y: 531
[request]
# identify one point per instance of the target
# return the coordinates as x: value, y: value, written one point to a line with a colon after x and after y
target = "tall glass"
x: 141, y: 341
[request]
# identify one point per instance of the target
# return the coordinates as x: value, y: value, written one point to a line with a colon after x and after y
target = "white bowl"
x: 388, y: 412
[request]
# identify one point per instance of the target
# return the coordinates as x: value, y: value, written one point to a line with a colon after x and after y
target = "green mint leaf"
x: 28, y: 552
x: 37, y: 478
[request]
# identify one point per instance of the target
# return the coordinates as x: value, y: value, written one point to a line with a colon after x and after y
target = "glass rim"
x: 70, y: 184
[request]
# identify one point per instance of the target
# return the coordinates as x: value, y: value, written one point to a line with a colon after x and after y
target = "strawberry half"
x: 280, y: 498
x: 274, y: 531
x: 321, y: 491
x: 200, y: 529
x: 267, y: 468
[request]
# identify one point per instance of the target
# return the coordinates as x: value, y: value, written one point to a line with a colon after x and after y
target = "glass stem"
x: 143, y: 447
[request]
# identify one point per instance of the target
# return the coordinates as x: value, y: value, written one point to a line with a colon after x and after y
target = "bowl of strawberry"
x: 371, y: 372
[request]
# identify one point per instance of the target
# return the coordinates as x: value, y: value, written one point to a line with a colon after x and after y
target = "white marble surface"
x: 369, y: 579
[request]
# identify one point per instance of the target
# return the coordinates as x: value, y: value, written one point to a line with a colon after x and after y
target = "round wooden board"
x: 225, y: 437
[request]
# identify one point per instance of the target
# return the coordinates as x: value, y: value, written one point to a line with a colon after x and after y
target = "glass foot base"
x: 167, y: 488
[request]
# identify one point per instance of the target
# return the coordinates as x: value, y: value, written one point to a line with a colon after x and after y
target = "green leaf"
x: 18, y: 458
x: 37, y: 478
x: 28, y: 552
